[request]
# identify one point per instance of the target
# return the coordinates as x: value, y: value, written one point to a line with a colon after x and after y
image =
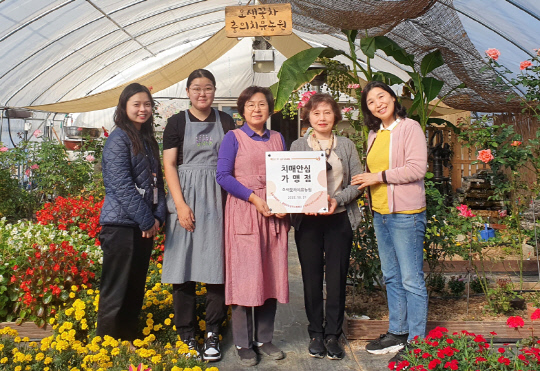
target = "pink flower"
x: 524, y: 65
x: 305, y: 98
x: 34, y: 167
x: 4, y: 149
x: 515, y: 143
x: 485, y: 156
x: 27, y: 172
x: 515, y: 321
x: 37, y: 133
x: 493, y: 53
x: 347, y: 109
x: 536, y: 314
x: 353, y: 86
x: 465, y: 211
x: 90, y: 158
x: 503, y: 213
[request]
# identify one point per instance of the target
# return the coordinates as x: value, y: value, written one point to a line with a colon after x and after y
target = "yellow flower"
x: 176, y: 368
x: 18, y: 368
x: 74, y: 288
x: 167, y: 322
x: 202, y: 325
x: 4, y: 360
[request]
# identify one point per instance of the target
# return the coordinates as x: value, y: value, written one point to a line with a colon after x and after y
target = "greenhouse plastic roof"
x: 53, y: 51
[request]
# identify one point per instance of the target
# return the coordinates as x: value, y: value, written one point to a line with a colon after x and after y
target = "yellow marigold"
x: 51, y: 321
x: 202, y: 325
x: 48, y: 361
x: 115, y: 352
x: 176, y: 368
x: 167, y: 322
x: 4, y: 360
x: 17, y: 339
x: 90, y: 292
x: 1, y: 347
x: 156, y: 359
x: 171, y: 315
x: 196, y: 368
x: 146, y: 331
x: 28, y: 358
x: 18, y: 368
x: 74, y: 288
x: 158, y: 327
x: 26, y: 338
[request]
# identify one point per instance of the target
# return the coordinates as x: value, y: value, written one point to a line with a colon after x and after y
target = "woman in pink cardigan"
x: 396, y: 166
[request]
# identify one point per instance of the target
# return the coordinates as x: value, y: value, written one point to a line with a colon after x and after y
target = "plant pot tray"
x: 358, y: 329
x: 29, y: 329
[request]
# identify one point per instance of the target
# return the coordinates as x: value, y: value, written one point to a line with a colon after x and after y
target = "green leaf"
x: 392, y: 49
x: 387, y: 78
x: 431, y: 61
x: 294, y: 73
x: 415, y: 104
x: 64, y: 295
x: 47, y: 298
x: 429, y: 175
x: 368, y: 47
x: 351, y: 34
x: 432, y: 87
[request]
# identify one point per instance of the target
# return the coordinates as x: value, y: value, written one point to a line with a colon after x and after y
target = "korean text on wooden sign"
x: 263, y: 20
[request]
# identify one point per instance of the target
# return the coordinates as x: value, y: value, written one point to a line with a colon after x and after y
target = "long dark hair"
x: 201, y: 72
x: 372, y: 122
x: 122, y: 121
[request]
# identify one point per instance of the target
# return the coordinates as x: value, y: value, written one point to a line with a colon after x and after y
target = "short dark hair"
x: 251, y: 91
x: 317, y: 99
x: 372, y: 122
x: 201, y: 72
x: 123, y: 122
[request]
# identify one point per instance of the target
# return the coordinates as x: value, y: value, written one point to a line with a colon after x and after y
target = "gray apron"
x: 198, y: 255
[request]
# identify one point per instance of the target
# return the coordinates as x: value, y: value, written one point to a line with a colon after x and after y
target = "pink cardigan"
x: 408, y: 166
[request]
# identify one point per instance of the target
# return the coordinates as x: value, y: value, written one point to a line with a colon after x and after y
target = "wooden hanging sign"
x: 258, y: 20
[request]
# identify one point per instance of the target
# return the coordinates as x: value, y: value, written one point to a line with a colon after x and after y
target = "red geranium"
x: 515, y: 321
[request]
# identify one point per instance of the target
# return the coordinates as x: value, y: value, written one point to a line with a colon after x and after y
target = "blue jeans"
x: 400, y: 238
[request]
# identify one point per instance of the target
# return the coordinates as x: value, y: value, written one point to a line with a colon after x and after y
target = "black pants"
x: 184, y: 299
x: 324, y: 239
x: 126, y: 255
x: 244, y: 318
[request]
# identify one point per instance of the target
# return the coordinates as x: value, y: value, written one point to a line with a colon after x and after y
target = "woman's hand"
x: 280, y: 215
x: 260, y: 205
x: 186, y: 217
x: 332, y: 205
x: 152, y: 231
x: 365, y: 180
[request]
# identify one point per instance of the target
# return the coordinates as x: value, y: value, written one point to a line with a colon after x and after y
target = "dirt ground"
x: 440, y: 308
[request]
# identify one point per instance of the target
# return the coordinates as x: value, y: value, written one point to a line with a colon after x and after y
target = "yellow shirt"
x: 378, y: 159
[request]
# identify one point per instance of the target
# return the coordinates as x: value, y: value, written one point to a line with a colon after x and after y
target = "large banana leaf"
x: 294, y: 73
x: 431, y: 61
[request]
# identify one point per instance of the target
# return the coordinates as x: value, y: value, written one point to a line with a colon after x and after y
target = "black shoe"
x: 387, y: 343
x: 333, y: 347
x: 193, y: 345
x: 211, y: 351
x: 399, y: 357
x: 316, y: 347
x: 270, y: 350
x: 247, y: 356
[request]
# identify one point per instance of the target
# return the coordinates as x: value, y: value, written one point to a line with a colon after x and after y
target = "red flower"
x: 504, y: 360
x: 493, y: 333
x: 480, y: 360
x: 536, y: 314
x: 15, y: 267
x: 479, y: 339
x: 433, y: 364
x: 452, y: 365
x: 13, y: 279
x: 56, y: 267
x: 449, y: 341
x: 515, y: 321
x: 501, y: 350
x: 402, y: 365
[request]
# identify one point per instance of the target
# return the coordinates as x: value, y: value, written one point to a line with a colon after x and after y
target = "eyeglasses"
x: 199, y: 91
x: 251, y: 106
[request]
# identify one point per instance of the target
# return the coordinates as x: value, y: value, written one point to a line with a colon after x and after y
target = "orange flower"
x: 493, y: 53
x: 485, y: 155
x: 524, y: 65
x: 515, y: 143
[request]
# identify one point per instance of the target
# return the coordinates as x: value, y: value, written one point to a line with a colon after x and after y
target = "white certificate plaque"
x: 296, y: 182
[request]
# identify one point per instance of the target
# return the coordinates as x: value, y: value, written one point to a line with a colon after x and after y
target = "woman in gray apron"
x: 194, y: 228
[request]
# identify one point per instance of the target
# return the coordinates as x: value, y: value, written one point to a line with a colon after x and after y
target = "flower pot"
x: 80, y: 132
x: 73, y: 145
